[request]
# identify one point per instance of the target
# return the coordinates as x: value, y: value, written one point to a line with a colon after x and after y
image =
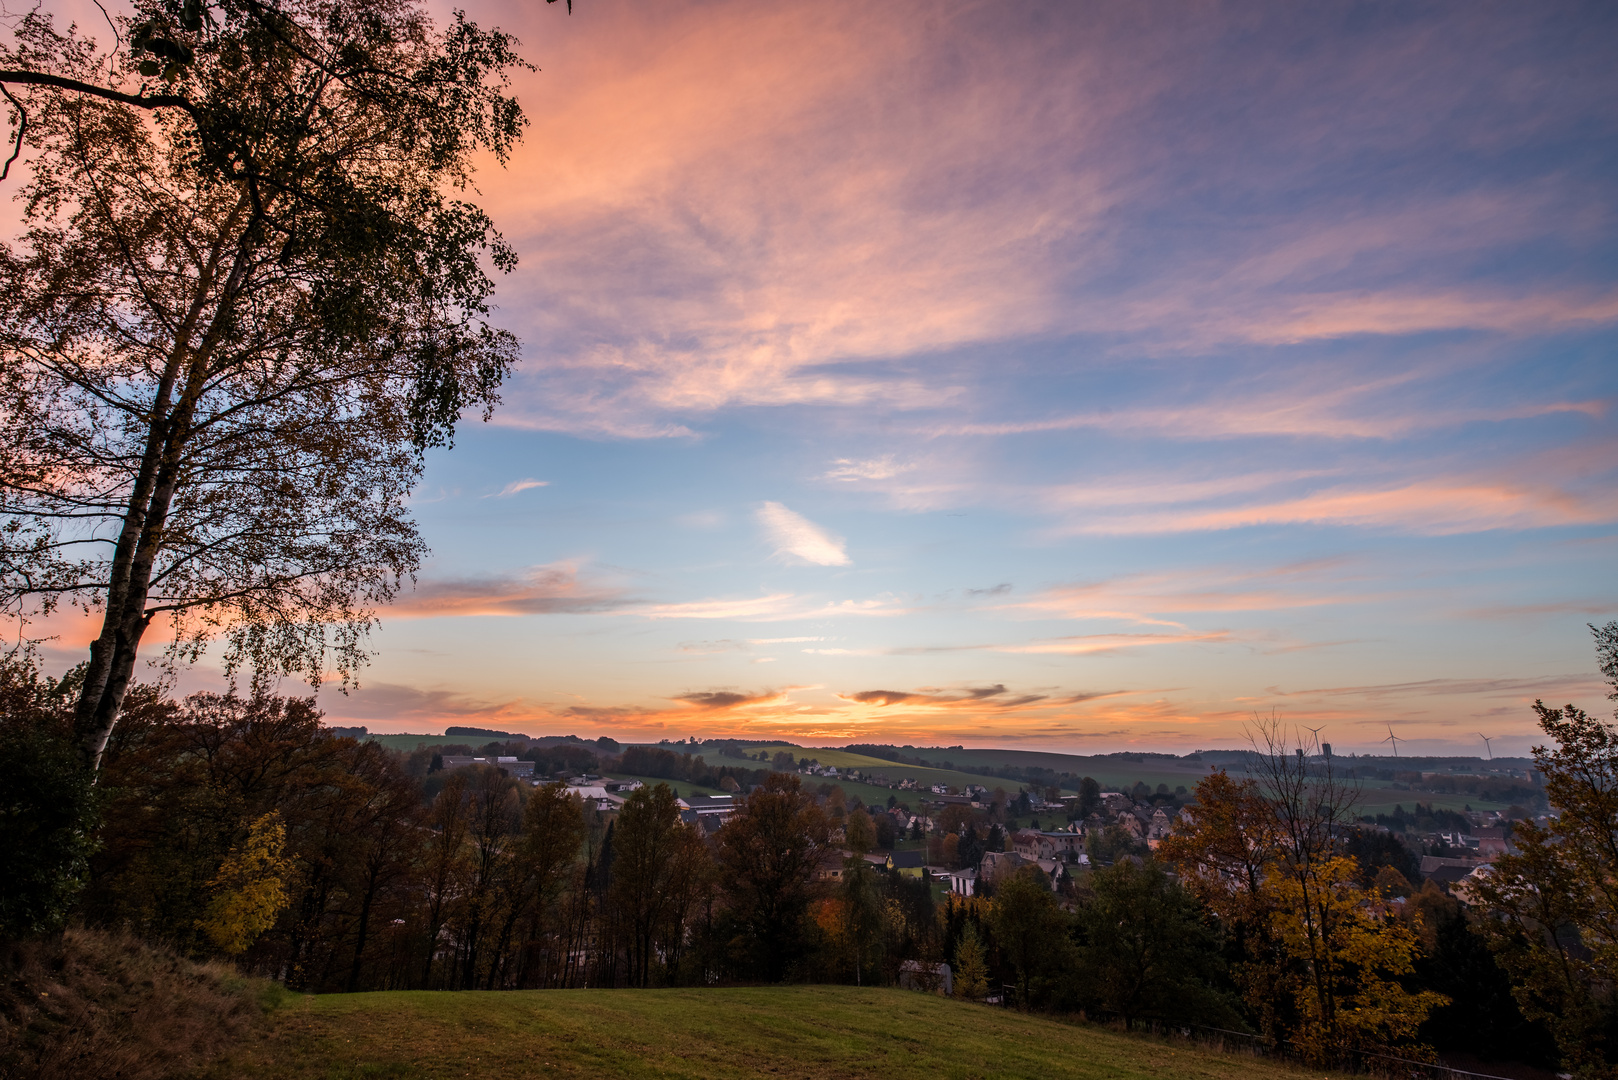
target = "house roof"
x: 1449, y: 875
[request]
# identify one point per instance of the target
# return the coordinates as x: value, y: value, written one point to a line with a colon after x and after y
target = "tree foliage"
x: 1032, y: 930
x: 768, y: 854
x: 971, y: 968
x: 250, y: 888
x: 49, y: 808
x: 1324, y: 962
x: 1554, y: 903
x: 232, y: 327
x: 1145, y: 950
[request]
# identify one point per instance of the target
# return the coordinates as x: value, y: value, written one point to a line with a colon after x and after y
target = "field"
x: 1111, y: 773
x: 806, y: 1031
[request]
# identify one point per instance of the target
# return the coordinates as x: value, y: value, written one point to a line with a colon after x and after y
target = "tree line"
x: 243, y: 829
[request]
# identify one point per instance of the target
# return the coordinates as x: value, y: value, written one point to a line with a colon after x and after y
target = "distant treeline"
x: 564, y: 758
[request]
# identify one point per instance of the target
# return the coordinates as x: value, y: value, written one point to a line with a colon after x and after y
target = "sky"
x: 1081, y: 376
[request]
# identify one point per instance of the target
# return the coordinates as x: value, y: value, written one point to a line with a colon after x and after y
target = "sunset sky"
x: 1082, y: 376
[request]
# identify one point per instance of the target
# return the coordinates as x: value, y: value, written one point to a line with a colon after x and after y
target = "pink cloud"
x: 542, y: 590
x: 718, y: 203
x: 1433, y: 507
x: 1145, y: 598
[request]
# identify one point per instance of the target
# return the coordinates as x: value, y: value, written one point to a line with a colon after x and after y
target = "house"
x: 1492, y: 841
x: 1158, y: 826
x: 831, y: 866
x: 596, y: 797
x: 705, y: 824
x: 1066, y: 845
x: 1450, y: 877
x: 963, y: 882
x: 1464, y: 889
x: 523, y: 770
x: 721, y: 806
x: 999, y: 864
x: 1431, y: 864
x: 931, y: 978
x: 908, y: 863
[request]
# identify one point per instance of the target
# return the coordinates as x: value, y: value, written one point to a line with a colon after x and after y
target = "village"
x: 962, y: 840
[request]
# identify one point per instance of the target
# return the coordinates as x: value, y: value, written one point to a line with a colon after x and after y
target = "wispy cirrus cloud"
x: 1357, y: 411
x: 557, y: 588
x: 725, y: 221
x: 1148, y: 598
x: 880, y: 468
x: 1516, y: 688
x: 1431, y: 507
x: 1599, y: 608
x: 1065, y: 645
x: 797, y: 538
x: 517, y: 486
x: 773, y: 607
x: 1091, y: 644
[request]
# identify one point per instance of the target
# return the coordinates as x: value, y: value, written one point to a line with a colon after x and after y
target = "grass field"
x: 805, y: 1031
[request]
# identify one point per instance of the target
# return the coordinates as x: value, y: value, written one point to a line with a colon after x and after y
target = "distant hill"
x: 481, y: 733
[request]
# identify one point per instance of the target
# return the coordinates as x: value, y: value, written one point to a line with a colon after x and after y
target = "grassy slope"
x: 809, y: 1031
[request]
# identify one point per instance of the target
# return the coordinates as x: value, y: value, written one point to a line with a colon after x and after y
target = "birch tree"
x: 248, y: 299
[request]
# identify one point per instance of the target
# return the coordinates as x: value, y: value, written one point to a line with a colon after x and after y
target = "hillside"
x: 1111, y: 771
x: 805, y: 1031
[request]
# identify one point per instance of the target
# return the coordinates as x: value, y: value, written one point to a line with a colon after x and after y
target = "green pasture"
x: 705, y: 1034
x: 843, y: 759
x: 407, y: 743
x: 680, y: 788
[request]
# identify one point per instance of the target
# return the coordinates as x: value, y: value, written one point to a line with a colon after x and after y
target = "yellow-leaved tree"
x: 1323, y: 957
x: 1351, y: 951
x: 250, y: 888
x: 972, y: 968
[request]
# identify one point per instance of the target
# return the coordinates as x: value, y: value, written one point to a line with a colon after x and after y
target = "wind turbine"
x: 1394, y: 739
x: 1316, y: 731
x: 1486, y: 746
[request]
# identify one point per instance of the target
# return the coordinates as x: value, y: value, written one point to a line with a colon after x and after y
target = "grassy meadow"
x: 706, y: 1034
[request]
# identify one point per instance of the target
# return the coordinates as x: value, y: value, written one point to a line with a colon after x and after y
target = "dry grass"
x: 92, y: 1004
